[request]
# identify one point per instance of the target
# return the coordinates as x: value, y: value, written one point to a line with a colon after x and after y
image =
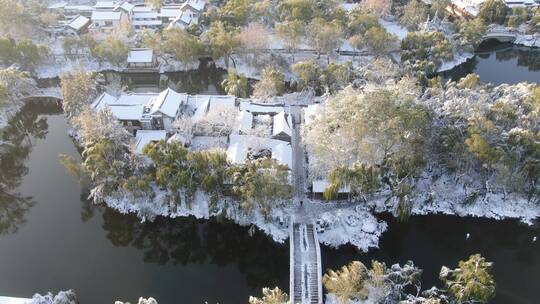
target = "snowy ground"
x: 337, y: 223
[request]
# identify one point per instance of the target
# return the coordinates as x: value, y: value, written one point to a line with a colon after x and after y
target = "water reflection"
x: 188, y: 240
x: 206, y: 79
x: 501, y: 63
x: 16, y: 142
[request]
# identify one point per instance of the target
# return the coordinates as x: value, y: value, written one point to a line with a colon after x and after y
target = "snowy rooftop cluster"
x: 253, y: 129
x: 104, y: 16
x: 472, y: 7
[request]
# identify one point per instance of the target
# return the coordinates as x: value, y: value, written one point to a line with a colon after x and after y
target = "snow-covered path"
x: 305, y: 268
x: 306, y: 282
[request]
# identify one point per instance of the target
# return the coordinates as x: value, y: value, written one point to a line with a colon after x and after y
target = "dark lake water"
x: 501, y: 63
x: 51, y: 238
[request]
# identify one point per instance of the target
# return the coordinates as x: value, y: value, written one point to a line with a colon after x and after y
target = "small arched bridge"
x: 46, y: 93
x: 500, y: 34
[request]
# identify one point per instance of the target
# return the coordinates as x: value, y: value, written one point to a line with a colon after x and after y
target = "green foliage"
x: 8, y: 50
x: 292, y: 33
x: 222, y: 40
x: 534, y: 23
x: 361, y: 179
x: 272, y: 83
x: 469, y: 82
x: 262, y: 182
x: 78, y: 91
x: 414, y: 14
x: 493, y: 11
x: 235, y: 12
x: 470, y: 33
x: 471, y: 282
x: 271, y: 296
x: 324, y: 36
x: 112, y: 50
x: 25, y: 52
x: 301, y: 10
x: 378, y: 41
x: 348, y: 283
x: 438, y: 7
x: 236, y: 85
x: 360, y: 21
x: 429, y: 47
x: 183, y: 172
x: 336, y: 76
x: 307, y: 72
x: 106, y: 164
x: 186, y: 47
x: 517, y: 17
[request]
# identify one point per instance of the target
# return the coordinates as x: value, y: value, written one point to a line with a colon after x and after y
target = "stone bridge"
x: 500, y: 34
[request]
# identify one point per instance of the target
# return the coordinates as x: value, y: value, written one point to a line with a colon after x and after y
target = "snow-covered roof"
x: 170, y: 12
x: 197, y: 5
x: 320, y: 185
x: 240, y: 145
x: 310, y: 112
x: 102, y: 101
x: 57, y: 5
x: 146, y: 22
x: 168, y: 102
x: 282, y: 124
x: 106, y: 15
x: 135, y: 99
x: 260, y: 108
x: 127, y: 112
x: 142, y: 9
x: 282, y: 152
x: 245, y: 121
x: 79, y: 8
x: 78, y: 23
x: 206, y: 103
x: 11, y: 300
x: 145, y: 15
x: 105, y: 5
x: 183, y: 20
x: 126, y: 6
x: 140, y: 56
x: 144, y: 137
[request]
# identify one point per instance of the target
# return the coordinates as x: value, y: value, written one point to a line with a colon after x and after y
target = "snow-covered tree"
x: 378, y: 7
x: 63, y: 297
x: 271, y: 296
x: 78, y: 91
x: 254, y: 38
x: 217, y: 122
x: 415, y: 13
x: 272, y: 83
x: 93, y: 126
x: 16, y: 84
x: 325, y: 36
x: 366, y: 127
x: 471, y: 282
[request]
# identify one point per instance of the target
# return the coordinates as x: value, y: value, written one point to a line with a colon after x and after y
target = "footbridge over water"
x: 500, y: 34
x: 305, y: 265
